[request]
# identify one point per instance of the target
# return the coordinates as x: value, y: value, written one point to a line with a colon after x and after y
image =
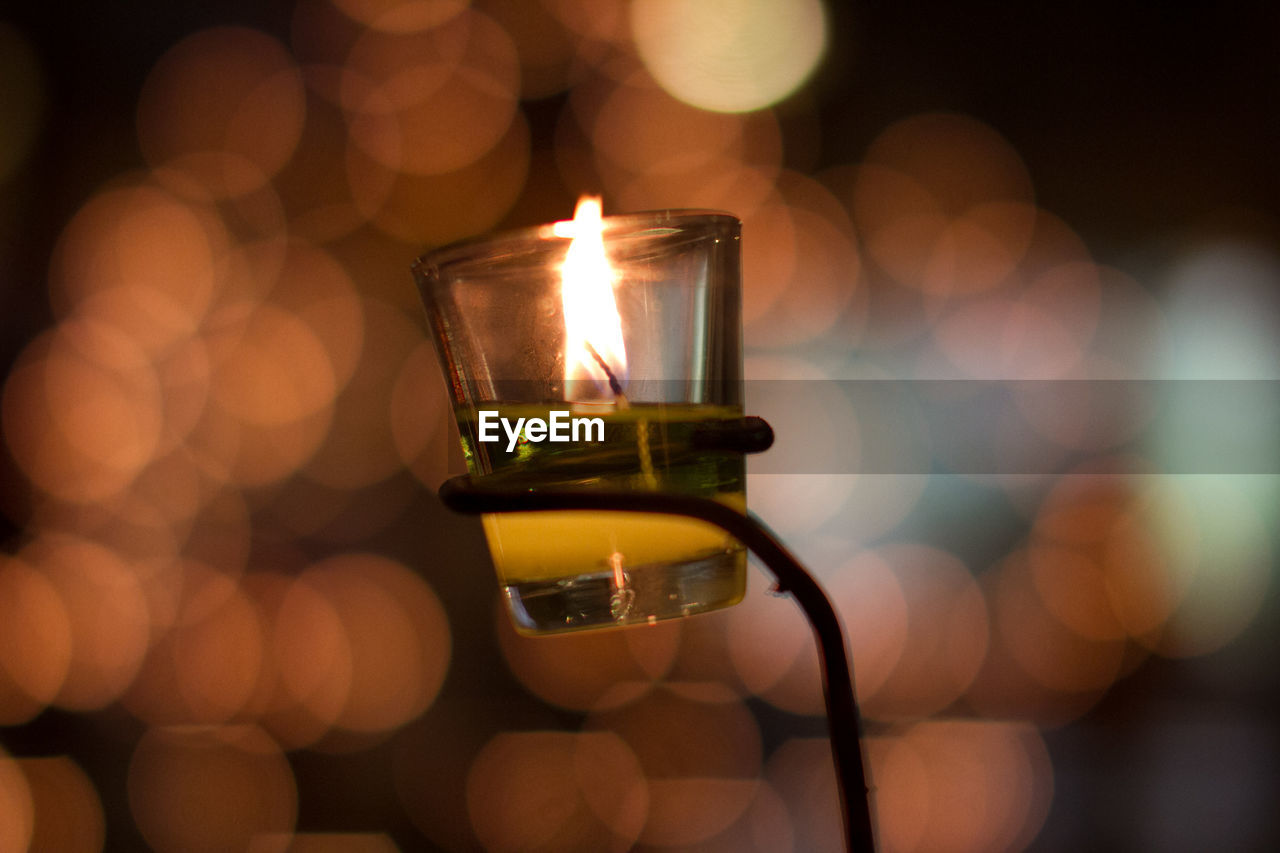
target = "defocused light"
x: 772, y: 645
x: 765, y: 827
x: 15, y: 805
x: 221, y: 533
x: 823, y: 276
x: 978, y: 249
x: 957, y: 160
x: 109, y: 619
x: 652, y: 151
x: 402, y: 16
x: 1131, y: 338
x: 305, y: 674
x: 361, y: 418
x: 1217, y: 551
x: 418, y: 416
x: 226, y: 105
x: 769, y: 260
x: 961, y: 785
x: 1224, y: 314
x: 274, y: 371
x: 389, y: 660
x: 898, y: 219
x: 136, y: 270
x: 320, y: 207
x: 217, y: 648
x: 730, y: 55
x: 22, y: 100
x: 444, y: 745
x: 595, y: 670
x: 1072, y: 587
x: 35, y: 642
x: 935, y: 666
x: 801, y: 772
x: 1050, y: 649
x: 1006, y: 337
x: 543, y: 43
x: 597, y: 22
x: 273, y: 388
x: 943, y: 204
x: 441, y: 208
x: 432, y: 102
x: 641, y: 128
x: 556, y: 791
x: 207, y: 789
x: 68, y: 812
x: 819, y: 423
x: 699, y: 749
x: 82, y: 411
x: 319, y: 290
x: 157, y: 253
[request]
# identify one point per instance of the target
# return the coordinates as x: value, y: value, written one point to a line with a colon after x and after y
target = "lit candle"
x: 573, y: 570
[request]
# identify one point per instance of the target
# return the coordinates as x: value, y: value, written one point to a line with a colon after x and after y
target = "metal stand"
x: 462, y: 495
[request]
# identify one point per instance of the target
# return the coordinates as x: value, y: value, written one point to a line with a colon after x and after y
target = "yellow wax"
x: 549, y: 545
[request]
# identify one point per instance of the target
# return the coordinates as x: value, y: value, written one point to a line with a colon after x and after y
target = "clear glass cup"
x: 509, y: 332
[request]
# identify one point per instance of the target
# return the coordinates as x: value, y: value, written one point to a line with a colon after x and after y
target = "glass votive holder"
x: 590, y: 354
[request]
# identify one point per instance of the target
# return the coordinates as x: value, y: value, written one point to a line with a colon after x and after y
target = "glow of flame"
x: 591, y: 319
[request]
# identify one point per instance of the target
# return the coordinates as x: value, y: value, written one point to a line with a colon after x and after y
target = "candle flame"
x: 594, y: 351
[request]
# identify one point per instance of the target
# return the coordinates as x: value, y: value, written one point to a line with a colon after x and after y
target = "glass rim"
x: 463, y: 250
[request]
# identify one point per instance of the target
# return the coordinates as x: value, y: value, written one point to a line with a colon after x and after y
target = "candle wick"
x: 614, y: 385
x: 642, y: 425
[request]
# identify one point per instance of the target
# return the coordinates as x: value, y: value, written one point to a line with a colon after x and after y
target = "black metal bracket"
x: 463, y: 495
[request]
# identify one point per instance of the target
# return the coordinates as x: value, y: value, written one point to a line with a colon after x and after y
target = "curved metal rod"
x: 462, y: 495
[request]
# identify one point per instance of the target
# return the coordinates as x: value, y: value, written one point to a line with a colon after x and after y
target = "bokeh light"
x: 699, y: 749
x: 544, y: 45
x: 399, y: 86
x: 371, y: 652
x: 557, y: 791
x: 1224, y: 313
x: 82, y: 411
x: 402, y: 16
x: 1216, y: 555
x: 1026, y: 605
x: 35, y: 641
x: 406, y: 206
x: 934, y: 667
x: 418, y: 416
x: 208, y: 665
x: 15, y: 804
x: 730, y: 55
x: 771, y: 644
x: 961, y: 785
x: 808, y: 275
x: 211, y: 788
x: 224, y: 105
x: 812, y: 419
x: 107, y: 615
x: 362, y: 417
x: 67, y: 810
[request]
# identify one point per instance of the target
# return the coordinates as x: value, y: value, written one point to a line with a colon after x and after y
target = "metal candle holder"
x: 750, y: 435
